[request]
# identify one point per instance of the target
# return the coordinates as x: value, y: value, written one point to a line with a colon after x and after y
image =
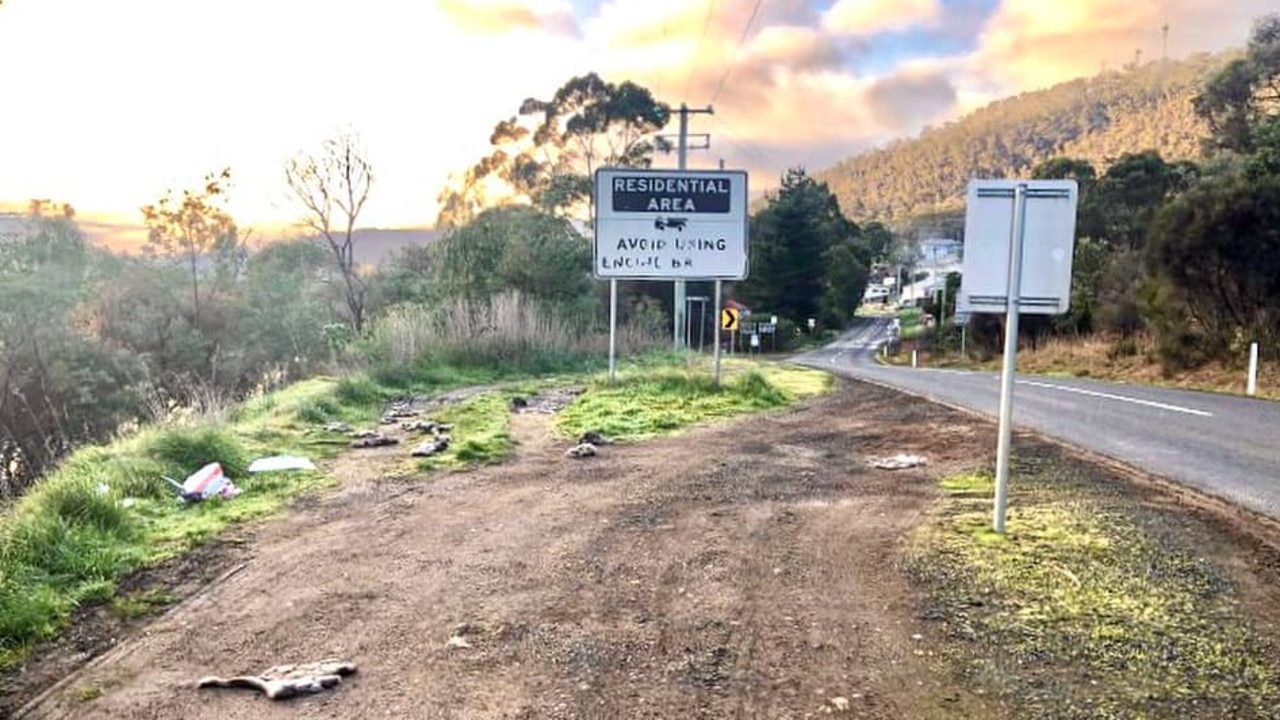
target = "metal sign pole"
x: 702, y: 325
x: 613, y: 330
x: 1004, y: 445
x: 715, y: 373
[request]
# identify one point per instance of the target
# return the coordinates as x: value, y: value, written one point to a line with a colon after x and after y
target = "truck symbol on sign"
x: 673, y: 223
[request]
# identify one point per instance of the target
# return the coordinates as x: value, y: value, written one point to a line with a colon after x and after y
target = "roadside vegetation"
x: 1093, y: 604
x: 1133, y: 359
x: 910, y: 326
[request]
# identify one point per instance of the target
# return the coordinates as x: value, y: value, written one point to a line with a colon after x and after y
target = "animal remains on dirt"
x: 373, y: 440
x: 286, y: 681
x: 432, y: 447
x: 426, y: 426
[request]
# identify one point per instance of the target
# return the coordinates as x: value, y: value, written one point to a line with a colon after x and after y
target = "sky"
x: 106, y: 105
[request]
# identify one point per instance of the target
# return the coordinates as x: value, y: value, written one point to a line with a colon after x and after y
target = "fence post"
x: 1253, y: 369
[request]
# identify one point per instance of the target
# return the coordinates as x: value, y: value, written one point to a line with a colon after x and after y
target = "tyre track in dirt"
x: 744, y: 570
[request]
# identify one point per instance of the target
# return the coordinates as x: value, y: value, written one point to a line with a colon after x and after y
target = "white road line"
x: 1121, y: 398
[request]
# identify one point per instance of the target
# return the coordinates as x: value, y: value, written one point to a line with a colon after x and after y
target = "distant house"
x: 943, y: 251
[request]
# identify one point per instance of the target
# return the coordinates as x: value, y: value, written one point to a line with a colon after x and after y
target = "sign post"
x: 715, y: 372
x: 1019, y: 237
x: 670, y: 225
x: 613, y: 330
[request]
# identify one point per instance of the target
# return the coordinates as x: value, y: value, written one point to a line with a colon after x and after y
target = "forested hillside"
x: 1096, y: 119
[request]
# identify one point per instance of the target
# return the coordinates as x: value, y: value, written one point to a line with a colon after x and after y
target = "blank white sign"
x: 1048, y: 244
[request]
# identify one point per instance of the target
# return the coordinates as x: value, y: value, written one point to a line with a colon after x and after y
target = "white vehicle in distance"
x: 876, y: 292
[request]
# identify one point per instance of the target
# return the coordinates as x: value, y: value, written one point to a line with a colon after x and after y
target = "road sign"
x: 1048, y: 244
x: 758, y: 327
x: 1019, y: 237
x: 670, y: 224
x: 729, y: 319
x: 755, y: 340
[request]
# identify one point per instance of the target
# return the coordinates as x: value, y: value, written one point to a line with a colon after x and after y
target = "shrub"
x: 358, y: 391
x: 317, y: 411
x: 185, y: 450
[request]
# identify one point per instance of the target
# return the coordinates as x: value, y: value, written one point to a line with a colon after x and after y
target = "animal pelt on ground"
x: 286, y: 681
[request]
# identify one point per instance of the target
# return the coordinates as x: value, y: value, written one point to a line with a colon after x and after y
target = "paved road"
x: 1225, y: 445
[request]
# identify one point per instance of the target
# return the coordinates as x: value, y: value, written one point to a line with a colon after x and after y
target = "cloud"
x: 906, y: 101
x: 784, y: 82
x: 794, y: 47
x: 869, y: 17
x: 497, y: 17
x: 1029, y: 44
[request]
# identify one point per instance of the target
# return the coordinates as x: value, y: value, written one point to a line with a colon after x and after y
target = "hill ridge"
x: 1096, y: 119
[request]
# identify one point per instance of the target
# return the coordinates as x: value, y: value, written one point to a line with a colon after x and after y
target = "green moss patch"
x: 1088, y: 606
x: 649, y: 403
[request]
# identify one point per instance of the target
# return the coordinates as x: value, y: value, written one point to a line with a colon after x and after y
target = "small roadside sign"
x: 755, y: 341
x: 729, y: 319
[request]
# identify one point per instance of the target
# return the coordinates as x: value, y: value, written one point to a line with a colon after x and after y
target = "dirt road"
x: 745, y: 570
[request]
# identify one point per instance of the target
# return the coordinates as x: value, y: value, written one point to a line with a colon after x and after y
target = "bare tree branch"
x: 334, y: 185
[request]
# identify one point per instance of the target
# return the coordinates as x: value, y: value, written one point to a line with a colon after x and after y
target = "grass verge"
x: 73, y: 536
x: 70, y: 539
x: 647, y: 403
x: 1089, y: 606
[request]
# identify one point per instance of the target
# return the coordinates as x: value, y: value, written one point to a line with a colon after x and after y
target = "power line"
x: 741, y: 41
x: 759, y: 155
x: 658, y: 90
x: 706, y: 27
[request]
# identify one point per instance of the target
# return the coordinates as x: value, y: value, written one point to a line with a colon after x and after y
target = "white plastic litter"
x: 900, y: 461
x: 209, y: 481
x: 280, y: 462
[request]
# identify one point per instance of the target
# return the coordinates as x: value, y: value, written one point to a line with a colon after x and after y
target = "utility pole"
x: 1165, y: 42
x: 681, y: 291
